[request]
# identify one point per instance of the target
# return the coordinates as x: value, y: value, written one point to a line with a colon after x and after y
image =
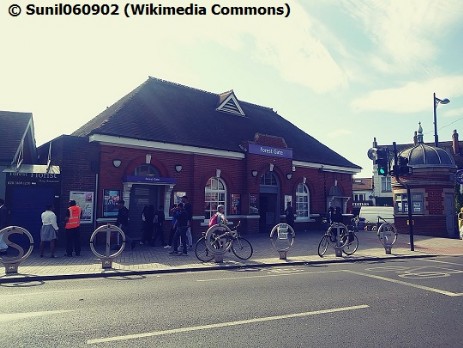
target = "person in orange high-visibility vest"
x: 72, y: 228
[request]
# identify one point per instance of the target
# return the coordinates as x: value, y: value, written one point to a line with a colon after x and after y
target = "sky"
x: 342, y: 71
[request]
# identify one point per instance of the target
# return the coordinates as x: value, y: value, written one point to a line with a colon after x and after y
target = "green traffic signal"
x: 382, y: 161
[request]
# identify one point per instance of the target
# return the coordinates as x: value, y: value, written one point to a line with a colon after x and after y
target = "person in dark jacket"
x: 147, y: 217
x: 159, y: 219
x: 289, y: 212
x: 182, y: 226
x: 123, y: 221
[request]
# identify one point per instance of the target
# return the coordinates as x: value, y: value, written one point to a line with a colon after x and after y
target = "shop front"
x: 29, y: 189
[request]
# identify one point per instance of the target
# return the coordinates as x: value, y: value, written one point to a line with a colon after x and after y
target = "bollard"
x: 218, y: 257
x: 388, y: 248
x: 337, y: 251
x: 106, y: 262
x: 11, y: 268
x: 337, y: 248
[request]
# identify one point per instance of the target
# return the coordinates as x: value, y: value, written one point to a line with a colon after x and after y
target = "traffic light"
x: 382, y: 161
x: 404, y: 169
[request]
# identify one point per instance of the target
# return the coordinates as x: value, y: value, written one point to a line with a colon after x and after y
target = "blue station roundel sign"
x: 459, y: 176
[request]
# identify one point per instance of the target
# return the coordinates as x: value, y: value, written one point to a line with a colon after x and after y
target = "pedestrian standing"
x: 48, y: 230
x: 72, y: 228
x: 182, y: 226
x: 173, y: 226
x: 147, y: 217
x: 123, y: 221
x: 189, y: 210
x: 3, y: 224
x: 289, y: 213
x: 159, y: 219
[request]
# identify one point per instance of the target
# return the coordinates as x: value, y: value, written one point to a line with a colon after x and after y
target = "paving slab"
x: 145, y: 259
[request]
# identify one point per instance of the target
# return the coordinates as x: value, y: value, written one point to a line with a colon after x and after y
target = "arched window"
x: 269, y: 179
x: 146, y: 170
x: 302, y: 201
x: 215, y: 193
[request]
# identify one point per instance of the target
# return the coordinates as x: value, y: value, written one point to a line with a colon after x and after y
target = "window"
x: 302, y: 201
x: 269, y: 179
x: 386, y: 184
x: 401, y: 203
x: 146, y: 170
x: 214, y: 194
x: 359, y: 197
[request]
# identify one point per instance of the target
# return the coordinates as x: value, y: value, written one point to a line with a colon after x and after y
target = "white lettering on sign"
x: 264, y: 150
x: 44, y: 176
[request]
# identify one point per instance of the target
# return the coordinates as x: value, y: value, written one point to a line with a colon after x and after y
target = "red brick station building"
x: 165, y: 140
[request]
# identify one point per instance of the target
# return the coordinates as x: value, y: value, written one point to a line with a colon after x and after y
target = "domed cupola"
x: 425, y: 156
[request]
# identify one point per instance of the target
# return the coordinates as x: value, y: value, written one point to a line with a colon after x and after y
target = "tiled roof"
x: 163, y: 111
x: 361, y: 184
x: 13, y: 128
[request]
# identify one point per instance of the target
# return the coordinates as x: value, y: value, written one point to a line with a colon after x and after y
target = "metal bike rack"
x: 387, y: 237
x: 107, y: 258
x: 338, y: 247
x: 282, y: 237
x: 217, y: 250
x: 12, y: 263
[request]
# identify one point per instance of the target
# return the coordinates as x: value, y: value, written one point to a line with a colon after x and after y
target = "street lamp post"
x: 437, y: 101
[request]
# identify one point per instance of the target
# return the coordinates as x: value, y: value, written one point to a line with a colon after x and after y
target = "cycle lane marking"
x: 401, y: 282
x: 440, y: 261
x: 223, y: 324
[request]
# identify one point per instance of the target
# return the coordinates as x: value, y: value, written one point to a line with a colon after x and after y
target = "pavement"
x: 145, y: 259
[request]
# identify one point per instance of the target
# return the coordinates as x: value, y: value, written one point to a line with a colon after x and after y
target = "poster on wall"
x: 110, y: 199
x: 253, y: 204
x: 85, y: 201
x: 178, y: 196
x: 235, y: 204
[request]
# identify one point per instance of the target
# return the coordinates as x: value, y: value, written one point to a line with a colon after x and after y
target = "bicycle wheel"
x: 323, y: 245
x: 202, y: 252
x: 242, y: 248
x: 387, y: 233
x: 352, y: 244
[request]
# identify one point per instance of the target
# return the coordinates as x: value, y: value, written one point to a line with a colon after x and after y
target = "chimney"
x: 456, y: 144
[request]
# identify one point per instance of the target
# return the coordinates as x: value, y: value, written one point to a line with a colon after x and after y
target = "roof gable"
x: 167, y: 112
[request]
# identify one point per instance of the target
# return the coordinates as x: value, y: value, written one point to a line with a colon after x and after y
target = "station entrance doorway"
x: 269, y: 202
x: 141, y: 196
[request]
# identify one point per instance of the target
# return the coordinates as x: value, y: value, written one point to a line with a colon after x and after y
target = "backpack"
x: 213, y: 220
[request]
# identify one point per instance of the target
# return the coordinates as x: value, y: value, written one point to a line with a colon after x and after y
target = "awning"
x: 33, y: 168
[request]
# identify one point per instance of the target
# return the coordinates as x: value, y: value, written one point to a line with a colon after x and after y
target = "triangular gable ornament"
x: 229, y: 103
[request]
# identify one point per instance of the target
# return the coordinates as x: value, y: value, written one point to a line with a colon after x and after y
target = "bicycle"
x: 387, y: 233
x: 348, y: 240
x: 351, y: 243
x: 201, y: 251
x: 219, y: 239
